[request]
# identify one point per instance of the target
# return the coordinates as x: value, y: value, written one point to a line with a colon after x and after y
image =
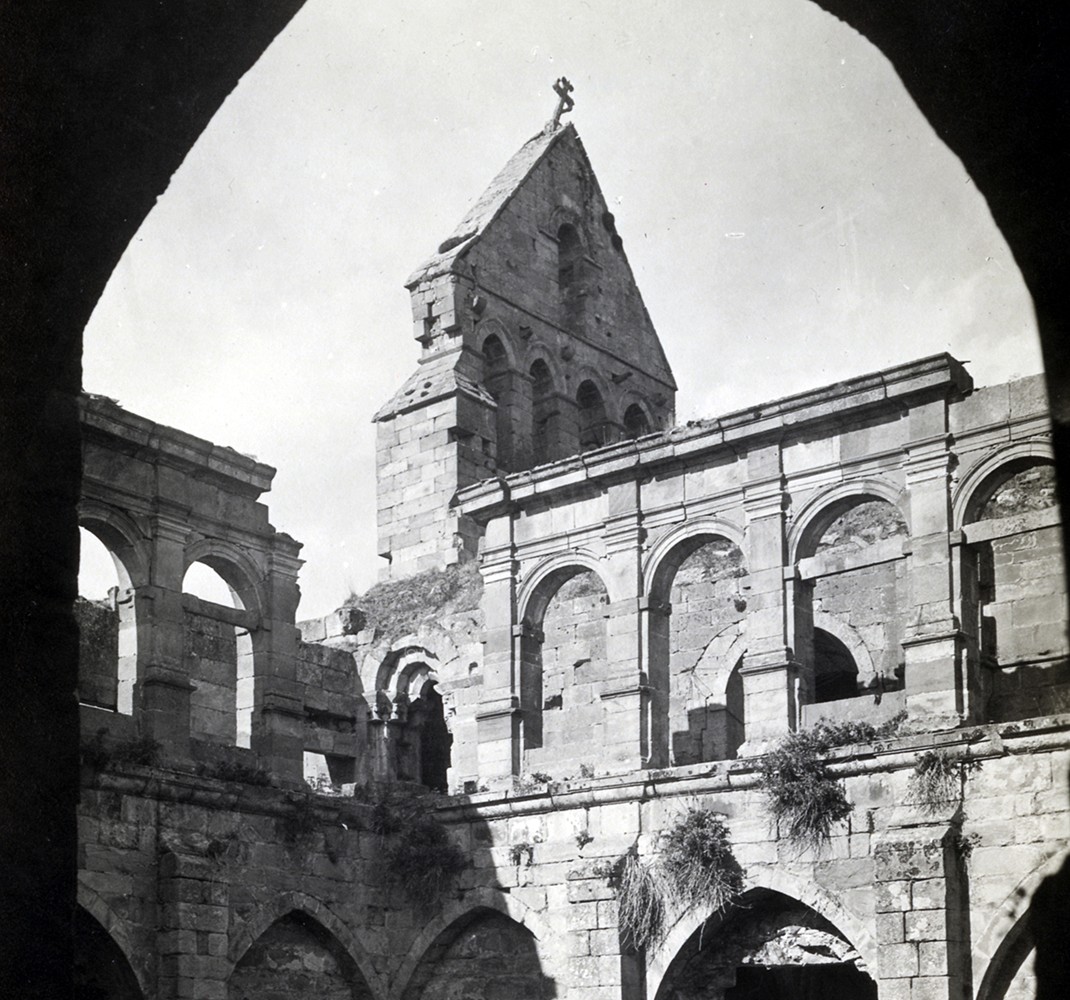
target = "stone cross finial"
x: 565, y: 103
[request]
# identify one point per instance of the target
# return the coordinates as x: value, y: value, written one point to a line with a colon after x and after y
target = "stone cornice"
x: 890, y: 390
x: 106, y: 423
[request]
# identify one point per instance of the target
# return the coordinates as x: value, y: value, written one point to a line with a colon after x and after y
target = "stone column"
x: 770, y: 672
x: 163, y: 681
x: 278, y: 705
x: 564, y: 439
x: 498, y: 718
x: 512, y: 392
x: 654, y: 623
x: 933, y: 642
x: 922, y: 908
x: 191, y: 938
x: 625, y: 691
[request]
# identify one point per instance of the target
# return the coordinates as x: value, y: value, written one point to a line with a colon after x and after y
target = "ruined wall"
x: 225, y: 883
x: 214, y: 869
x: 98, y: 652
x: 707, y: 641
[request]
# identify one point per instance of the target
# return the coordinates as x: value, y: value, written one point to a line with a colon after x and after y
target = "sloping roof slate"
x: 488, y: 206
x: 434, y: 379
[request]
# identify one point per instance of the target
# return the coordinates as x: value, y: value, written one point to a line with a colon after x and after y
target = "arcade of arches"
x: 658, y: 606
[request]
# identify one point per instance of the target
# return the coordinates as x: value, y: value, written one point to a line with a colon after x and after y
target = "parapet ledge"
x: 120, y: 430
x: 939, y: 375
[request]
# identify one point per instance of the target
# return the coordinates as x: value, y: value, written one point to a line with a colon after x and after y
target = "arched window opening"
x: 699, y: 646
x: 107, y: 644
x: 494, y: 356
x: 101, y: 970
x: 594, y: 427
x: 563, y: 660
x: 427, y: 716
x: 204, y: 582
x: 219, y: 658
x: 635, y: 422
x: 1014, y: 592
x: 857, y: 581
x: 570, y: 276
x: 835, y: 670
x: 860, y: 527
x: 297, y: 957
x: 545, y: 415
x: 484, y: 954
x: 1020, y: 488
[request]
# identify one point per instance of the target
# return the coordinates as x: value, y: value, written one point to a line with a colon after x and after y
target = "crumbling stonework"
x: 656, y: 612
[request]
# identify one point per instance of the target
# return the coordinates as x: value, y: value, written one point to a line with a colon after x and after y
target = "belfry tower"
x: 535, y: 346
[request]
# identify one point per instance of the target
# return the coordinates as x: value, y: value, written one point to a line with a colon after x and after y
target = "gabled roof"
x: 489, y: 205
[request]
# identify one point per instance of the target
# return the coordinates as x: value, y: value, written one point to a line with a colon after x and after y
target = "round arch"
x: 725, y: 648
x: 545, y: 579
x: 563, y: 216
x: 478, y: 899
x: 120, y: 535
x: 494, y: 327
x: 290, y: 902
x: 93, y: 904
x: 1006, y: 938
x: 430, y: 643
x: 820, y: 511
x: 636, y: 417
x: 973, y: 485
x: 237, y: 567
x: 587, y: 373
x: 791, y: 886
x: 672, y: 548
x: 398, y: 666
x: 848, y: 635
x: 538, y: 352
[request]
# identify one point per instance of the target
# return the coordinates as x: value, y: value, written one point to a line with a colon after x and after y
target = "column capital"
x: 653, y: 606
x: 525, y: 630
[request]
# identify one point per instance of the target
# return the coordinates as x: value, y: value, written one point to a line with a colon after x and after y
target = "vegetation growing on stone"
x: 641, y: 895
x: 805, y: 798
x: 423, y: 860
x: 697, y: 859
x: 936, y: 781
x: 396, y: 607
x: 695, y: 867
x: 420, y: 858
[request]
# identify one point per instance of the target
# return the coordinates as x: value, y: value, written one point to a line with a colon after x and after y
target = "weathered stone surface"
x: 655, y: 612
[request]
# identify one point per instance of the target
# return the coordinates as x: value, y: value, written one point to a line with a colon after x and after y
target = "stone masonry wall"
x: 192, y: 875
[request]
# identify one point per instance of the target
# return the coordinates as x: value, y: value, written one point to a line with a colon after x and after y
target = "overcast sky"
x: 790, y: 217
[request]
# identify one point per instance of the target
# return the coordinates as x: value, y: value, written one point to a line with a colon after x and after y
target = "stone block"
x: 932, y: 958
x: 590, y: 889
x: 594, y: 993
x: 895, y: 989
x: 582, y: 916
x: 928, y: 894
x: 930, y: 988
x: 896, y: 961
x: 925, y: 925
x: 608, y: 913
x: 889, y: 928
x: 594, y: 970
x: 604, y: 941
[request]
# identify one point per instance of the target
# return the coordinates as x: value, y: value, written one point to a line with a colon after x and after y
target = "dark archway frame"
x: 93, y: 134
